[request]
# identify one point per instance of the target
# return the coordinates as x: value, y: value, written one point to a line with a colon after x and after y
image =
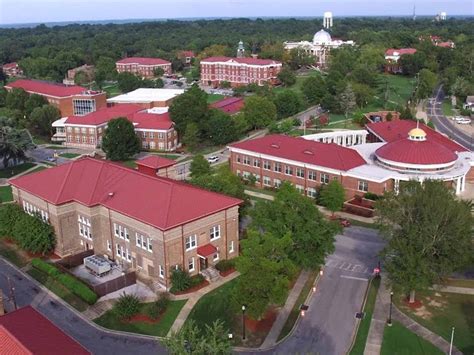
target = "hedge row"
x: 225, y: 265
x: 71, y: 283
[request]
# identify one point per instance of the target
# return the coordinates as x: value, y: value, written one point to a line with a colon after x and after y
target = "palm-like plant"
x: 12, y: 146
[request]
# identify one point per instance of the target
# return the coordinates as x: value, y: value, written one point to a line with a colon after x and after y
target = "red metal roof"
x: 250, y: 61
x: 206, y: 250
x: 395, y: 130
x: 143, y: 61
x: 47, y: 88
x: 189, y: 54
x: 401, y: 51
x: 448, y: 44
x: 10, y: 65
x: 155, y: 162
x: 331, y: 156
x: 35, y: 333
x: 160, y: 202
x: 132, y: 112
x: 230, y: 105
x: 416, y: 152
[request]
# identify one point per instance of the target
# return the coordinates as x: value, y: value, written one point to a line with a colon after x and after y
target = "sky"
x: 34, y: 11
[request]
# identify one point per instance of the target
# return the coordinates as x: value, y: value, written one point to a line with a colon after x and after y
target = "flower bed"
x: 360, y: 206
x: 227, y: 272
x: 264, y: 324
x: 191, y: 289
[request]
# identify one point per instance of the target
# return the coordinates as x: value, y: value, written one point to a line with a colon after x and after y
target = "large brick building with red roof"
x: 146, y: 223
x: 229, y: 105
x: 396, y: 151
x: 26, y: 331
x: 392, y: 58
x: 239, y: 71
x: 69, y: 99
x: 143, y: 67
x: 156, y: 131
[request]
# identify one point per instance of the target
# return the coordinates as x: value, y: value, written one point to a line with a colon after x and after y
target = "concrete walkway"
x: 454, y: 289
x: 193, y: 298
x: 283, y: 314
x: 379, y: 318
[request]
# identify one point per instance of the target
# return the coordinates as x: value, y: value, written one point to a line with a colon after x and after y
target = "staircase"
x: 211, y: 274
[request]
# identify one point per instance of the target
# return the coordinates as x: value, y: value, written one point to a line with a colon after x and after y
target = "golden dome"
x: 417, y: 134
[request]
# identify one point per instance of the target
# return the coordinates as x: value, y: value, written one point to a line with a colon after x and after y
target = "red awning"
x: 206, y: 250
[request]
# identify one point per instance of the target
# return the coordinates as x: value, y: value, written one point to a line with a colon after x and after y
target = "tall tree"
x: 191, y: 136
x: 288, y: 103
x: 259, y: 111
x: 128, y: 82
x: 429, y: 234
x: 199, y: 167
x: 333, y: 196
x: 16, y: 99
x: 13, y: 144
x: 120, y: 141
x: 426, y: 84
x: 291, y: 213
x: 347, y: 100
x: 41, y: 119
x: 34, y: 101
x: 220, y: 128
x: 189, y: 107
x: 314, y: 89
x: 287, y: 76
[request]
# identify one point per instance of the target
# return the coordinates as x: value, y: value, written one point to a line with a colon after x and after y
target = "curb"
x: 290, y: 333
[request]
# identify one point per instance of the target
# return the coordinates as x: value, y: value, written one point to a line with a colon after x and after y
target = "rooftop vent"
x: 309, y: 152
x: 275, y: 145
x: 111, y: 194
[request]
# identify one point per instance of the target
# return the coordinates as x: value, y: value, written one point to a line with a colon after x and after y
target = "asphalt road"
x: 95, y: 340
x: 329, y: 323
x: 442, y: 123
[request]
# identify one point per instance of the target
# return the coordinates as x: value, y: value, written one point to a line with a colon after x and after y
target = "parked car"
x: 458, y: 118
x: 464, y: 121
x: 51, y: 159
x: 213, y: 159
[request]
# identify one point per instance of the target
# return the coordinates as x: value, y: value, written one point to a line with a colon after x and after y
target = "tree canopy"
x: 120, y: 141
x: 259, y: 111
x: 332, y: 196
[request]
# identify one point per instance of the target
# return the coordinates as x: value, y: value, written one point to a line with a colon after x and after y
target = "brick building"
x: 239, y: 71
x: 87, y: 70
x: 143, y: 67
x: 145, y: 223
x: 12, y: 69
x: 155, y: 165
x: 229, y: 105
x: 156, y: 131
x: 70, y: 100
x: 396, y: 151
x: 147, y: 97
x: 392, y: 58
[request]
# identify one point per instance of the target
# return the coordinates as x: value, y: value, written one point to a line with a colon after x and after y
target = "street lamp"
x: 243, y: 322
x: 389, y: 323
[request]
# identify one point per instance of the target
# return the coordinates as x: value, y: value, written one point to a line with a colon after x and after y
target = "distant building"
x: 442, y: 16
x: 320, y: 47
x: 147, y: 97
x: 155, y: 165
x: 12, y: 69
x: 469, y: 105
x: 382, y: 116
x: 143, y: 67
x: 241, y: 50
x: 88, y: 70
x: 239, y: 71
x: 229, y: 105
x: 156, y: 130
x: 437, y: 41
x: 327, y: 20
x: 26, y: 331
x: 392, y: 58
x: 70, y: 100
x: 186, y: 56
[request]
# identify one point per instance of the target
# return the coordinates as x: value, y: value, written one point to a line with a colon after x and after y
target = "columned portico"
x: 345, y: 138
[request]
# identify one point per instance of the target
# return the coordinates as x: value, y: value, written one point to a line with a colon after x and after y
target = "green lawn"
x: 211, y: 98
x: 293, y: 316
x: 10, y: 252
x: 56, y: 147
x: 112, y: 90
x: 345, y: 124
x: 398, y: 340
x: 6, y: 194
x: 400, y: 87
x: 469, y: 283
x: 14, y: 170
x: 110, y: 320
x: 69, y: 155
x: 441, y: 311
x: 41, y: 140
x: 447, y: 108
x: 58, y: 289
x: 129, y: 163
x: 363, y: 331
x: 355, y: 222
x: 169, y: 156
x: 35, y: 170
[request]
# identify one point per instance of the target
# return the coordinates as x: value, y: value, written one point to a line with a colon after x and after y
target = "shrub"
x: 196, y: 280
x: 180, y: 280
x: 158, y: 307
x: 225, y: 265
x: 127, y: 306
x: 371, y: 196
x: 78, y: 288
x: 47, y: 268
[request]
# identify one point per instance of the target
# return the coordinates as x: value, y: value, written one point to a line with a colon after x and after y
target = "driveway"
x: 442, y: 123
x: 330, y: 320
x: 94, y: 339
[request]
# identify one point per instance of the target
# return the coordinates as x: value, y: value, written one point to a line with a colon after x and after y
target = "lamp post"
x: 243, y: 322
x: 389, y: 323
x: 451, y: 342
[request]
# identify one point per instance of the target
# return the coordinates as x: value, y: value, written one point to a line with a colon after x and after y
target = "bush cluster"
x: 127, y: 306
x: 158, y: 307
x: 74, y: 285
x: 225, y: 265
x: 371, y: 196
x: 182, y: 281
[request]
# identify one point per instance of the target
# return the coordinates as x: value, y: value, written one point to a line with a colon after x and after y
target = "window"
x: 119, y: 250
x: 300, y: 189
x: 311, y: 192
x: 82, y: 107
x: 149, y: 246
x: 267, y: 181
x: 237, y: 158
x: 84, y: 227
x: 276, y: 183
x: 231, y: 246
x: 324, y: 178
x: 312, y: 175
x: 246, y: 160
x: 109, y: 245
x: 190, y: 242
x: 277, y: 167
x: 288, y: 170
x: 300, y: 172
x: 215, y: 232
x: 91, y: 131
x: 363, y: 186
x: 256, y: 163
x: 191, y: 264
x: 161, y: 271
x: 215, y: 256
x: 266, y: 165
x: 116, y: 230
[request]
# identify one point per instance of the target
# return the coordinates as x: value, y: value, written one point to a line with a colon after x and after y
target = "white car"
x: 458, y: 118
x: 464, y: 121
x: 213, y: 159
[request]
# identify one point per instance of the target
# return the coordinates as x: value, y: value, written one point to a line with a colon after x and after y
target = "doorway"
x: 203, y: 263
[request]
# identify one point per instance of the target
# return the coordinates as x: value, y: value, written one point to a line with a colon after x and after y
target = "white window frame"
x: 215, y: 232
x: 364, y: 184
x: 192, y: 241
x: 161, y: 271
x: 324, y: 178
x: 191, y: 261
x: 231, y: 247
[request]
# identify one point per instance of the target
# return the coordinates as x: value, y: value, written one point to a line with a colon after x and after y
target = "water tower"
x: 327, y: 21
x: 442, y: 16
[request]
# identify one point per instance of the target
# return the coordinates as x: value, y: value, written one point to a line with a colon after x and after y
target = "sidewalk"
x: 193, y: 298
x: 379, y: 318
x: 283, y: 314
x: 454, y: 289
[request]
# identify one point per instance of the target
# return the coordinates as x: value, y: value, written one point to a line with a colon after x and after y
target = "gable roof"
x: 230, y: 105
x: 400, y: 51
x: 249, y: 61
x: 10, y: 65
x: 47, y: 88
x: 396, y: 130
x: 160, y: 202
x: 143, y: 61
x: 27, y: 331
x: 331, y: 156
x: 155, y: 162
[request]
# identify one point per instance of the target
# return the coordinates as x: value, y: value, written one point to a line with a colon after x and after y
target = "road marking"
x: 354, y: 278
